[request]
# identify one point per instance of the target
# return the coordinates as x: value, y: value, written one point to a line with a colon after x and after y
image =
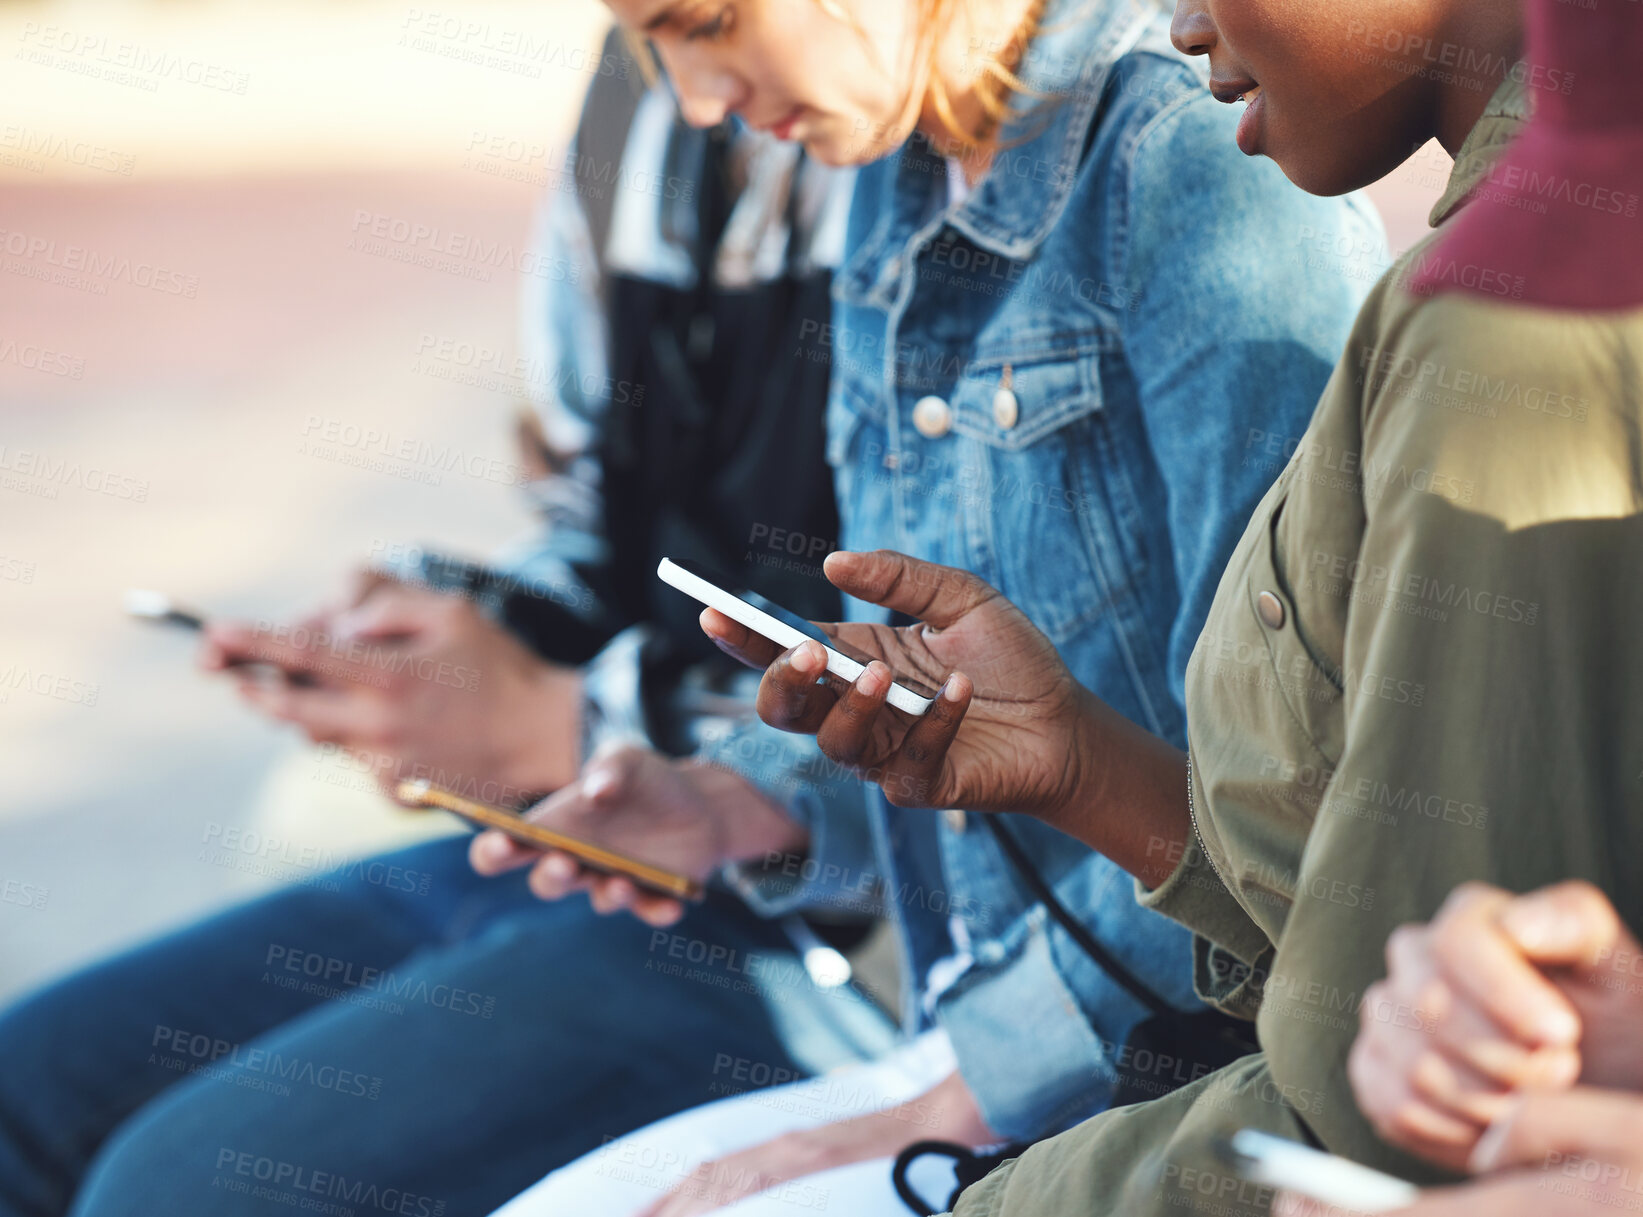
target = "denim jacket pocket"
x: 1048, y: 388
x: 1036, y: 475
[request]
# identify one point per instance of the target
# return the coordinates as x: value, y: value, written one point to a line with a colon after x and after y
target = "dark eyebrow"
x: 661, y: 18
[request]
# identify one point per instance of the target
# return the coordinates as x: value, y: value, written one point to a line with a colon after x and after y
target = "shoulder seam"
x: 1124, y: 175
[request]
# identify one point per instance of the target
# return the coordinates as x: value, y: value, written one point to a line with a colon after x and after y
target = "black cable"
x: 1229, y: 1031
x: 1231, y: 1034
x: 1076, y: 930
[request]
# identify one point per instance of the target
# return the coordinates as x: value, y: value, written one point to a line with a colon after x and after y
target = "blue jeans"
x: 403, y: 1038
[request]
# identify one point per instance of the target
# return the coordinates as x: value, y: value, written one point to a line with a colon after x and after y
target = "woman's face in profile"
x: 834, y: 75
x: 1340, y: 91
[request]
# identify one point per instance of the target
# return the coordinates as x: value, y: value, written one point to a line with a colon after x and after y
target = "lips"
x: 783, y: 128
x: 1249, y: 126
x: 1229, y: 91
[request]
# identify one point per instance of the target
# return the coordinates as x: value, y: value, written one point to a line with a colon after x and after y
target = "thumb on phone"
x: 937, y: 595
x: 493, y: 852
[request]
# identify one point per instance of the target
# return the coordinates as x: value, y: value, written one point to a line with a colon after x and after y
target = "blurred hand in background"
x: 418, y: 683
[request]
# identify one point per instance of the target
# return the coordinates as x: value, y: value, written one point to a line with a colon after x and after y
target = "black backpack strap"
x: 602, y: 135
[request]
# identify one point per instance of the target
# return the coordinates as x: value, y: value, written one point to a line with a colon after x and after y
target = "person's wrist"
x: 756, y: 827
x: 1084, y: 789
x: 545, y: 727
x: 946, y: 1112
x: 1126, y: 793
x: 846, y: 1142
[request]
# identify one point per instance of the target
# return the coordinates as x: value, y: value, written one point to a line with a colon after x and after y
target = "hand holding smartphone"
x: 784, y: 628
x: 159, y: 609
x: 421, y: 793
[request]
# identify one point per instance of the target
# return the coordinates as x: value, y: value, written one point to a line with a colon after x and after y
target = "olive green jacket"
x: 1424, y: 665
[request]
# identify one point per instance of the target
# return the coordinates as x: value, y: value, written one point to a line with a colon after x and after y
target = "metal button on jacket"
x: 933, y: 417
x: 955, y: 819
x: 1006, y: 409
x: 1271, y: 610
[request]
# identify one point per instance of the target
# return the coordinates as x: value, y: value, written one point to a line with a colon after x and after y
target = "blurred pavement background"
x: 190, y: 298
x: 192, y: 180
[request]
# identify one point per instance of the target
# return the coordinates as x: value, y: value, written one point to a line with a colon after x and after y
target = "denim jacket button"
x: 955, y: 819
x: 1006, y: 409
x: 1271, y: 610
x: 933, y: 417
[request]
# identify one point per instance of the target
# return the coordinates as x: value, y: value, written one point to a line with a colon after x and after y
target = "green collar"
x: 1502, y: 119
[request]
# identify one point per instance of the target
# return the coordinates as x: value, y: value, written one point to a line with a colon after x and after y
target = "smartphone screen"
x: 765, y: 605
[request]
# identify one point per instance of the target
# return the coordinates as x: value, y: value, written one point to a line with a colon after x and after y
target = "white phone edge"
x: 1276, y: 1162
x: 779, y: 632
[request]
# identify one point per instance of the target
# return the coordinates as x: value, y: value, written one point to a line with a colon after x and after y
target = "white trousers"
x: 632, y: 1172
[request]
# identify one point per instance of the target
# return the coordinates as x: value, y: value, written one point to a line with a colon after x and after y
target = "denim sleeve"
x: 838, y: 872
x: 1233, y: 334
x: 1068, y: 1021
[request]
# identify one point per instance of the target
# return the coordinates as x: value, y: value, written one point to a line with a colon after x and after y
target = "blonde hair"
x: 999, y: 83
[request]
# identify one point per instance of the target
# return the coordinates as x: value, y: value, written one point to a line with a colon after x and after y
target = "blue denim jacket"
x: 1139, y: 288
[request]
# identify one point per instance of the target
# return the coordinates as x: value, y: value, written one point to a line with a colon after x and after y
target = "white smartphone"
x: 1272, y: 1161
x: 159, y: 608
x: 784, y: 628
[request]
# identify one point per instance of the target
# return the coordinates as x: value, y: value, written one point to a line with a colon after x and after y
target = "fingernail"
x: 561, y: 867
x: 871, y: 682
x: 1539, y: 929
x: 806, y: 660
x: 1558, y: 1027
x: 1488, y: 1149
x: 949, y: 690
x: 1567, y: 1072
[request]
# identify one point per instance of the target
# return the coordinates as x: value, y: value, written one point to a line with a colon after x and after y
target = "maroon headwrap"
x: 1562, y: 210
